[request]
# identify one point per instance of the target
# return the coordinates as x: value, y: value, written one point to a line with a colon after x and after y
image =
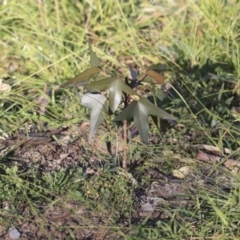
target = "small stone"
x: 147, y: 207
x: 13, y: 233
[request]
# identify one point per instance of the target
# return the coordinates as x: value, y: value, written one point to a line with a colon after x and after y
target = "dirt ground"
x: 65, y: 148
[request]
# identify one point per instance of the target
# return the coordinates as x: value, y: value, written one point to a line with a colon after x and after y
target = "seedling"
x: 116, y: 97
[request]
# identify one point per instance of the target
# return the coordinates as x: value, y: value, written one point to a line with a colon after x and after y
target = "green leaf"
x: 136, y: 111
x: 139, y: 111
x: 128, y: 112
x: 156, y: 111
x: 141, y: 76
x: 94, y: 61
x: 101, y: 85
x: 128, y: 90
x: 98, y: 105
x: 115, y: 93
x: 116, y: 86
x: 83, y: 77
x: 141, y: 121
x: 160, y: 94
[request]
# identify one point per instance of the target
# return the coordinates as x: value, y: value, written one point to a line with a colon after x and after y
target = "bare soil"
x: 158, y: 199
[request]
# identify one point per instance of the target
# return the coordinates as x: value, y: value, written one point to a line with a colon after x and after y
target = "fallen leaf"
x: 4, y: 87
x: 42, y: 103
x: 229, y: 163
x: 212, y: 149
x: 181, y: 172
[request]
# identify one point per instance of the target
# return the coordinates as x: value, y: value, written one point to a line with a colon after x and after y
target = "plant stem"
x: 42, y: 14
x: 125, y: 133
x: 124, y: 164
x: 56, y: 3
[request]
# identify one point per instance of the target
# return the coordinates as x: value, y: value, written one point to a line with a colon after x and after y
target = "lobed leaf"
x: 83, y: 77
x: 139, y: 111
x: 102, y: 84
x: 115, y: 86
x: 156, y: 111
x: 98, y: 105
x: 94, y: 61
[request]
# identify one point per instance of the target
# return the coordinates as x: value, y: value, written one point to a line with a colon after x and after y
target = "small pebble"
x: 147, y: 207
x: 13, y: 233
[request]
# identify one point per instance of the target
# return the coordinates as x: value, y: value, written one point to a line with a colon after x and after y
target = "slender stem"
x: 125, y: 134
x: 125, y: 144
x: 42, y: 15
x: 57, y: 14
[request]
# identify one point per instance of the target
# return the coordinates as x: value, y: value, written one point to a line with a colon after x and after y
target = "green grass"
x: 44, y: 45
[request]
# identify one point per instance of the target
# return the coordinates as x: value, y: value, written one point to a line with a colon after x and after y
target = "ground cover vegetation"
x: 119, y: 119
